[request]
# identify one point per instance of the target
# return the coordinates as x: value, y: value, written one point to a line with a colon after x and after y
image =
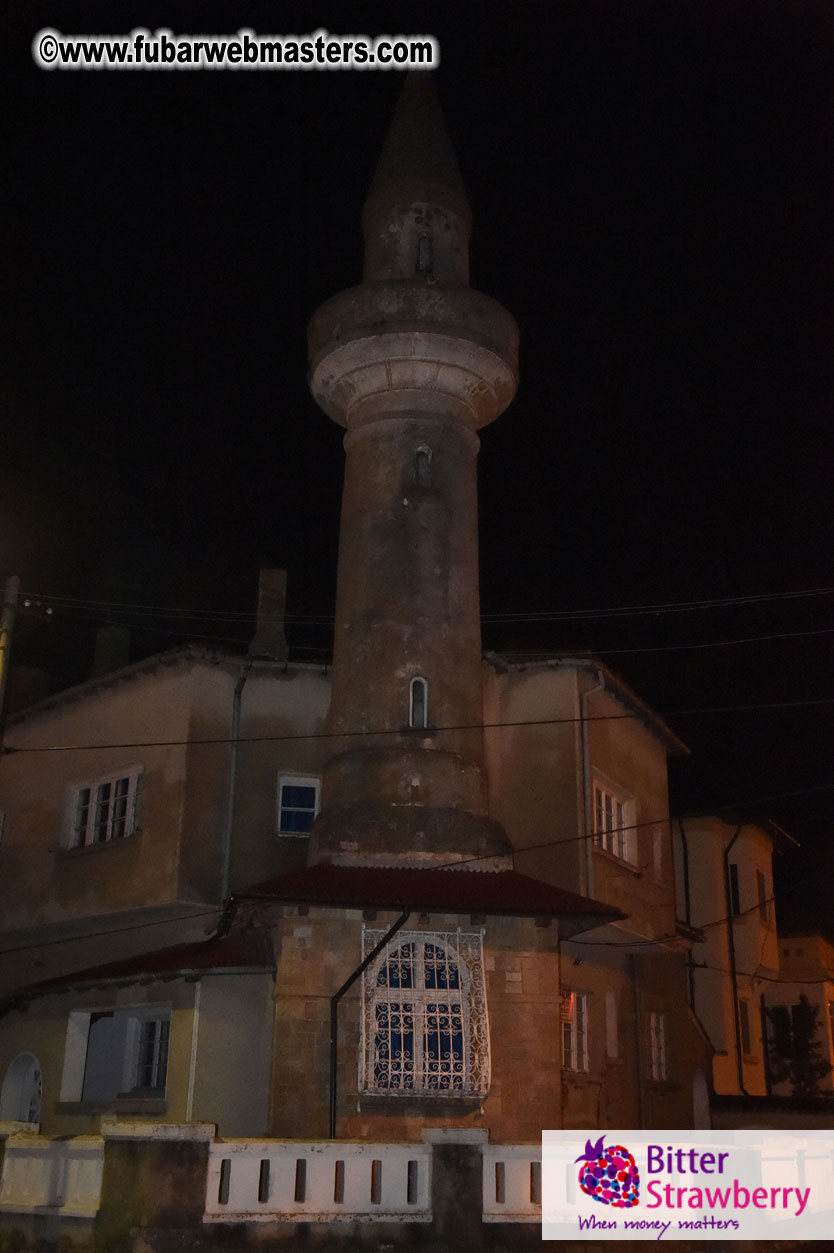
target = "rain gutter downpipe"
x: 334, y: 1009
x: 228, y: 823
x: 731, y: 945
x: 687, y: 904
x: 588, y: 885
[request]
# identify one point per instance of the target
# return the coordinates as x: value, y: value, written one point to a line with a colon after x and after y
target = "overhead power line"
x: 661, y: 607
x: 822, y: 701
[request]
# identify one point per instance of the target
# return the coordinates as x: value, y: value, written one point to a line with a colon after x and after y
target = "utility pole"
x: 6, y: 629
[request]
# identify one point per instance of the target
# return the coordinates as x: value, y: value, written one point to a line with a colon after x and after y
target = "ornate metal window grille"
x: 424, y: 1020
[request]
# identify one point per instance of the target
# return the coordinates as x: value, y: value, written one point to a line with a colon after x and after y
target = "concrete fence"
x: 161, y: 1182
x: 292, y: 1181
x: 512, y: 1183
x: 45, y: 1176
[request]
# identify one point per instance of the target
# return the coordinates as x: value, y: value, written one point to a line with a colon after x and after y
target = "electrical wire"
x: 822, y: 701
x: 75, y: 611
x: 522, y: 616
x: 133, y: 926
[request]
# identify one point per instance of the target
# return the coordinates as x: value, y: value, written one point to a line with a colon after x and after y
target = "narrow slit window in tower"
x: 425, y: 260
x: 422, y: 466
x: 418, y: 705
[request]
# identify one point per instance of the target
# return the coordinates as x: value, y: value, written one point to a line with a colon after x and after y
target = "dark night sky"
x: 653, y: 195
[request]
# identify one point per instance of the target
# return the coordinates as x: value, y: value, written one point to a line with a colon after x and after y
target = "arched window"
x: 424, y: 1017
x: 425, y: 260
x: 422, y: 466
x: 20, y: 1100
x: 418, y: 703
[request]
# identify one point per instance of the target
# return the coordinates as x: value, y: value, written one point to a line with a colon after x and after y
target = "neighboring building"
x: 578, y: 776
x: 746, y: 979
x: 125, y: 855
x: 464, y: 934
x: 154, y: 829
x: 724, y: 871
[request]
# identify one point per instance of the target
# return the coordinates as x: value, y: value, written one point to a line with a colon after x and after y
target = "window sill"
x: 81, y: 849
x: 396, y: 1102
x: 292, y: 835
x: 620, y: 862
x: 119, y: 1105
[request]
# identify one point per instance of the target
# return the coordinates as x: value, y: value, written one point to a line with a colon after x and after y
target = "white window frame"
x: 612, y: 1026
x: 745, y: 1026
x: 297, y: 780
x: 93, y: 818
x: 574, y: 1030
x: 423, y: 1011
x: 612, y: 819
x: 22, y: 1091
x: 657, y: 1046
x: 77, y: 1045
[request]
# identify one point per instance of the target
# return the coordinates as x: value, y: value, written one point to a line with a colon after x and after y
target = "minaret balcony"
x: 405, y: 348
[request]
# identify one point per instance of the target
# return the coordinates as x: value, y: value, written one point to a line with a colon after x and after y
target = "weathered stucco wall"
x: 43, y: 880
x: 534, y: 787
x: 232, y: 1058
x: 274, y: 704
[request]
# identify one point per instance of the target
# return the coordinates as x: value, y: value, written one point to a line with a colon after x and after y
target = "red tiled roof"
x: 450, y: 890
x: 226, y: 954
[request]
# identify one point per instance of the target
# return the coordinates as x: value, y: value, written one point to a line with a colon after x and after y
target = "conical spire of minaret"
x: 418, y: 162
x: 417, y: 194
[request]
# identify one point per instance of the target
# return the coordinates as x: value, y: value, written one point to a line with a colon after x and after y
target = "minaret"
x: 413, y: 362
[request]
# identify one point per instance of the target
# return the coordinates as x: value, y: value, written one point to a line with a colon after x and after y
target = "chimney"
x: 269, y: 640
x: 112, y: 650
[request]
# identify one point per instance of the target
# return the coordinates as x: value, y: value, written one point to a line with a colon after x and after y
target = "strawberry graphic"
x: 609, y: 1174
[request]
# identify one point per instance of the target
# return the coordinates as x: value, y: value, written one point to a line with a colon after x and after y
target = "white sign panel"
x: 687, y: 1185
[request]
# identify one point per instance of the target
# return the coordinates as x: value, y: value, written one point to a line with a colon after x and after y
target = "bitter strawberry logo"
x: 609, y: 1175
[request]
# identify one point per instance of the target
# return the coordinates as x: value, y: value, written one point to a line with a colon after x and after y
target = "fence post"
x: 154, y: 1177
x: 457, y: 1186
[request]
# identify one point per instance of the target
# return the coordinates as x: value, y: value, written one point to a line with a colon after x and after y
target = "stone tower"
x: 413, y: 363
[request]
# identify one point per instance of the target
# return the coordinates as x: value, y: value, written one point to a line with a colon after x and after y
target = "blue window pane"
x: 294, y: 796
x: 297, y: 820
x: 394, y: 1045
x: 443, y: 1046
x: 440, y: 971
x: 398, y: 970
